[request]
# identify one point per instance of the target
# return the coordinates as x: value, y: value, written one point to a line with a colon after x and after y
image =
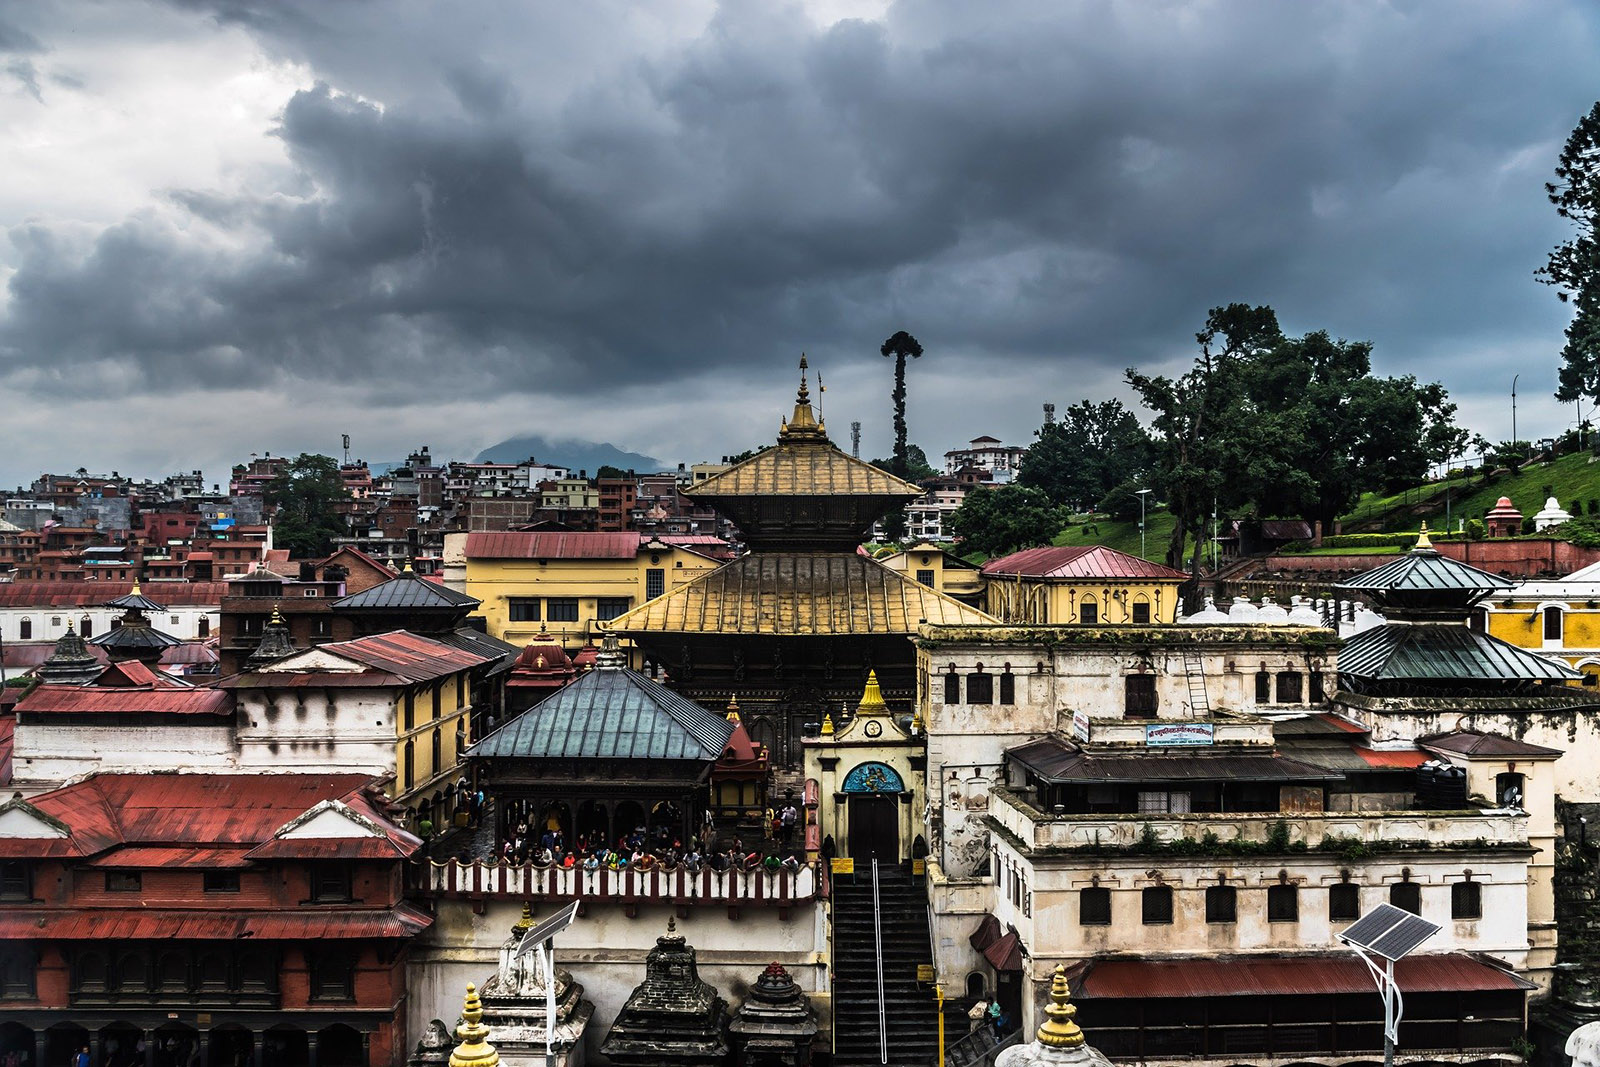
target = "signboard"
x: 925, y: 972
x: 1080, y: 726
x: 919, y: 868
x: 843, y: 865
x: 1173, y: 734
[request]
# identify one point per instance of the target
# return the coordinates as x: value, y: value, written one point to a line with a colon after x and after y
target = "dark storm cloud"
x: 1039, y: 187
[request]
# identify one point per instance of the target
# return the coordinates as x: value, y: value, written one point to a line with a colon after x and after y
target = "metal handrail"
x: 877, y: 938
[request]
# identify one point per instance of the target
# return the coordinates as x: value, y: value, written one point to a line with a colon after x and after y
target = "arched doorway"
x: 16, y: 1041
x: 285, y: 1046
x: 666, y: 824
x: 630, y: 820
x: 120, y: 1046
x: 594, y: 826
x: 340, y: 1046
x: 231, y: 1046
x: 872, y: 793
x: 177, y: 1045
x: 62, y: 1042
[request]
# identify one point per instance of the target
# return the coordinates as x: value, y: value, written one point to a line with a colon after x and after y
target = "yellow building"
x: 570, y: 493
x: 569, y: 585
x: 1558, y: 617
x: 939, y: 569
x: 1086, y: 585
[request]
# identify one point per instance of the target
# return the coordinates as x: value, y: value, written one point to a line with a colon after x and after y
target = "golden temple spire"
x: 803, y: 424
x: 526, y: 922
x: 277, y: 617
x: 135, y: 587
x: 872, y: 698
x: 1058, y: 1031
x: 827, y: 724
x: 733, y: 708
x: 1422, y: 538
x: 474, y: 1049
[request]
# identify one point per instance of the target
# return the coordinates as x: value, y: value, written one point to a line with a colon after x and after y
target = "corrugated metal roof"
x: 1056, y: 760
x: 1443, y: 652
x: 117, y: 924
x: 406, y: 655
x: 799, y: 594
x: 1423, y: 570
x: 120, y: 700
x: 1084, y: 562
x: 196, y: 856
x: 1470, y: 743
x: 1287, y: 975
x: 27, y: 594
x: 135, y: 636
x: 538, y: 544
x: 23, y: 655
x: 610, y: 713
x: 804, y: 468
x: 409, y: 592
x: 1391, y: 757
x: 135, y: 600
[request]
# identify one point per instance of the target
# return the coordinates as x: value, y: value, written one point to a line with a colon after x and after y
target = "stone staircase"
x: 910, y: 1010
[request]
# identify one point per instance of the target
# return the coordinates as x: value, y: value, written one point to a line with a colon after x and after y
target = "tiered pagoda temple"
x: 132, y: 636
x: 673, y: 1018
x: 793, y: 627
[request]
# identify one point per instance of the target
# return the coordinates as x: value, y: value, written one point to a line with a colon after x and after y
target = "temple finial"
x: 474, y: 1049
x: 1422, y: 538
x: 1059, y: 1031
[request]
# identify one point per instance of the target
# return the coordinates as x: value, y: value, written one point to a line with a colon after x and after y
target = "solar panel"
x: 552, y: 926
x: 1389, y: 932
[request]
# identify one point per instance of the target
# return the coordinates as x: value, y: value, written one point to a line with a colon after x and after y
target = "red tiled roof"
x: 93, y: 700
x: 407, y: 655
x: 1296, y: 975
x: 332, y: 848
x: 27, y: 594
x: 94, y: 924
x: 1090, y: 562
x: 1405, y: 757
x: 196, y: 856
x: 537, y: 544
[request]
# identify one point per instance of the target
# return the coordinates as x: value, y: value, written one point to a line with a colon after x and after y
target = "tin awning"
x: 1289, y: 975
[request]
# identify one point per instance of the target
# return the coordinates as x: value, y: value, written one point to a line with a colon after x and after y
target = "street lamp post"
x: 1514, y: 378
x: 1141, y: 495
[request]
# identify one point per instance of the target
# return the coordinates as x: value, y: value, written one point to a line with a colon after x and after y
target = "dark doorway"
x: 875, y: 828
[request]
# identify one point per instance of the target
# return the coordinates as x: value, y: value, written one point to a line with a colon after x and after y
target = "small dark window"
x: 438, y: 701
x: 438, y: 752
x: 1508, y: 790
x: 18, y: 964
x: 333, y: 977
x: 1283, y: 904
x: 85, y: 628
x: 1141, y: 613
x: 1222, y: 904
x: 411, y: 709
x: 655, y: 582
x: 330, y: 883
x: 203, y: 628
x: 123, y: 881
x: 16, y: 880
x: 925, y: 577
x: 1407, y: 896
x: 1263, y: 687
x: 523, y: 609
x: 1314, y: 693
x: 1466, y: 900
x: 1008, y: 689
x: 1139, y: 692
x: 609, y: 607
x: 952, y: 689
x: 562, y: 609
x: 1344, y: 902
x: 321, y: 627
x: 1157, y: 905
x: 25, y: 629
x: 1288, y: 687
x: 980, y: 688
x: 411, y: 765
x: 252, y: 625
x: 1088, y: 613
x: 1552, y: 624
x: 1094, y: 906
x: 221, y: 881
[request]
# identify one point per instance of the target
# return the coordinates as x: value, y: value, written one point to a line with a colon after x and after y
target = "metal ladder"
x: 877, y: 940
x: 1194, y: 668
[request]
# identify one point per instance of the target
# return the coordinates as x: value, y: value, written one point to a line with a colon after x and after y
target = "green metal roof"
x: 1424, y: 570
x: 610, y: 713
x: 1443, y: 652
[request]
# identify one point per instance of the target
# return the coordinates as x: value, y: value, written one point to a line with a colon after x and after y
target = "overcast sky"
x: 235, y: 227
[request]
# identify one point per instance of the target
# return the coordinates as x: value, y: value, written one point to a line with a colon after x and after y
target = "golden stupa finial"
x: 277, y: 617
x: 135, y: 587
x: 803, y: 423
x: 1059, y: 1031
x: 733, y: 708
x: 1422, y: 537
x: 872, y: 697
x: 916, y: 722
x: 407, y: 568
x: 474, y: 1049
x: 526, y: 922
x: 827, y: 724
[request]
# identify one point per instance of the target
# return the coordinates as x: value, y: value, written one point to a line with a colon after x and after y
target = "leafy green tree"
x: 898, y: 347
x: 1092, y: 450
x: 1121, y: 502
x: 307, y: 497
x: 1573, y: 266
x: 917, y: 465
x: 998, y: 521
x: 608, y: 471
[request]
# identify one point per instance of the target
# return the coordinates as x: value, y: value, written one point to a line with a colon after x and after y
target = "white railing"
x: 758, y: 888
x: 1494, y: 828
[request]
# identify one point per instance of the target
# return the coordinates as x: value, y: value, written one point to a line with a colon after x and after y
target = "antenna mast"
x: 346, y: 438
x: 855, y: 439
x: 1049, y: 414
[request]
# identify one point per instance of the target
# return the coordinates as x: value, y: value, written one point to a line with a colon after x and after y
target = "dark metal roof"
x: 1424, y: 570
x: 1443, y: 652
x: 133, y: 636
x: 610, y: 713
x: 1468, y: 743
x: 1293, y: 975
x: 481, y: 644
x: 408, y: 592
x: 1058, y: 761
x: 136, y: 601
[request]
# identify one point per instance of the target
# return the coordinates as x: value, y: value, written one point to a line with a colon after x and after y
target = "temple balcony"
x: 478, y: 880
x: 1031, y: 829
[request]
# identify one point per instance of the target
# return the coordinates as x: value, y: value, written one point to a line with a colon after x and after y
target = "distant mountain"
x: 578, y: 455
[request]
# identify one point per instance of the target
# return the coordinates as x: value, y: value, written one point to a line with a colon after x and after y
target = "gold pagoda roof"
x: 799, y: 594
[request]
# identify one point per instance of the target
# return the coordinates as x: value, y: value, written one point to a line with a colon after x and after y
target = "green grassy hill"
x: 1568, y: 478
